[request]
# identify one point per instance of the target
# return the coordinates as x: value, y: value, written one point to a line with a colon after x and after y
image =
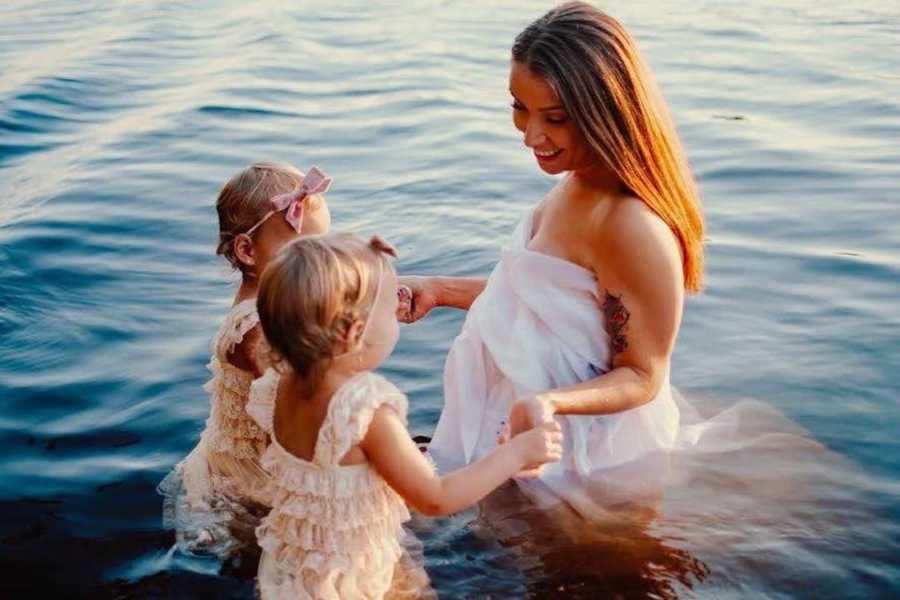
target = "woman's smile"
x: 547, y: 156
x: 548, y: 130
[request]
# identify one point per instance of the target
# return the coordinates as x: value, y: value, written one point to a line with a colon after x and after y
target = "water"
x: 119, y: 121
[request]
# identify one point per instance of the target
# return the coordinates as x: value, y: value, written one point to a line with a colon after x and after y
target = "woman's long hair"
x: 594, y: 67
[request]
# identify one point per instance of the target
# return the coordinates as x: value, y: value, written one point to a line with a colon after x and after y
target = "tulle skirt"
x: 214, y: 501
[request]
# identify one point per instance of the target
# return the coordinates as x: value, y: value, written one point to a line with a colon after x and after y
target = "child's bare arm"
x: 252, y: 353
x: 393, y: 454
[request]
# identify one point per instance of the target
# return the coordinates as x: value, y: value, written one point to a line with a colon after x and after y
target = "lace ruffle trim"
x: 261, y: 402
x: 316, y: 575
x: 291, y: 541
x: 236, y: 447
x: 350, y: 414
x: 344, y: 513
x: 229, y: 428
x: 242, y: 318
x: 227, y: 377
x: 301, y: 477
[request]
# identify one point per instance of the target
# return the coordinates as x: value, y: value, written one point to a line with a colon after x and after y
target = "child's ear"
x: 244, y: 250
x: 353, y: 334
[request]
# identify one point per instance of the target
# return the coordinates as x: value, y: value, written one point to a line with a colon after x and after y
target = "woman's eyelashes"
x: 556, y: 119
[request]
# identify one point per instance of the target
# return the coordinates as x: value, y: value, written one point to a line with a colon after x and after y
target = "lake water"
x: 119, y: 121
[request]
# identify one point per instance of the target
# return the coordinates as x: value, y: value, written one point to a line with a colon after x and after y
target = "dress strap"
x: 241, y: 318
x: 261, y: 403
x: 350, y: 411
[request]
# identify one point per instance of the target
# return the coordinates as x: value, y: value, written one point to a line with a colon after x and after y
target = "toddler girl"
x: 343, y: 467
x: 260, y: 209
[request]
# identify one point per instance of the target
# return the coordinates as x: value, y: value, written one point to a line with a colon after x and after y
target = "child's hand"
x: 404, y: 304
x: 504, y: 434
x: 537, y: 446
x: 416, y: 297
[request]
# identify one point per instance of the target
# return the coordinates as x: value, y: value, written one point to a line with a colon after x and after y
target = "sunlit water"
x: 120, y: 120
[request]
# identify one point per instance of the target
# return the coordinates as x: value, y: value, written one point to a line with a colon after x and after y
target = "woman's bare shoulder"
x: 557, y: 191
x: 628, y: 235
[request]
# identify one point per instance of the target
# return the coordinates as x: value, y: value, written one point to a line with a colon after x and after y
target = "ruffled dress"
x: 334, y: 531
x: 219, y: 489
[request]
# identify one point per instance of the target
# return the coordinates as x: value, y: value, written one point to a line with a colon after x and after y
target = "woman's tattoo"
x: 616, y: 316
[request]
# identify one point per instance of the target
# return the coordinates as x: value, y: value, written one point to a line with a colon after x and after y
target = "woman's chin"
x: 554, y: 164
x: 551, y: 169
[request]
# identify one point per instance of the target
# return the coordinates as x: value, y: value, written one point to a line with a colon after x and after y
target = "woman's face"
x: 549, y: 131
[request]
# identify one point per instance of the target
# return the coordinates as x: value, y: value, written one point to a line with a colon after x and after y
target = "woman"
x: 579, y: 318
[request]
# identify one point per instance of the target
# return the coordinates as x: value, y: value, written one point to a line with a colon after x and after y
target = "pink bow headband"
x: 315, y: 182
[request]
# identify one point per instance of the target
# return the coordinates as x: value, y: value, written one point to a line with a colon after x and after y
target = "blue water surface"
x: 119, y: 121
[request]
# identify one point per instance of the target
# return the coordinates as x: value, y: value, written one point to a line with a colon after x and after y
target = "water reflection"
x: 746, y: 496
x: 562, y: 554
x: 118, y: 125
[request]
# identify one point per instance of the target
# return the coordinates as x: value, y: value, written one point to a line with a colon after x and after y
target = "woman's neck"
x: 598, y: 178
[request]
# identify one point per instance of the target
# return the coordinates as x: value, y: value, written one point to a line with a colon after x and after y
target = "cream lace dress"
x: 334, y: 531
x: 219, y: 489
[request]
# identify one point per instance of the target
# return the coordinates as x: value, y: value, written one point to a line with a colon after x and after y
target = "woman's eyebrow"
x: 545, y: 109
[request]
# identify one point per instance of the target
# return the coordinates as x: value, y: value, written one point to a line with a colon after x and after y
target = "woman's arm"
x: 426, y: 293
x: 641, y: 290
x: 393, y: 454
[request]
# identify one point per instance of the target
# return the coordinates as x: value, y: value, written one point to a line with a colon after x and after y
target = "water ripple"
x: 120, y: 121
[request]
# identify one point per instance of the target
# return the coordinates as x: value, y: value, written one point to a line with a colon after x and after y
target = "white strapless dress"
x: 538, y: 325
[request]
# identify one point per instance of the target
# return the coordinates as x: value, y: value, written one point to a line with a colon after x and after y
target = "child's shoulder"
x: 240, y: 319
x: 378, y: 383
x: 369, y: 386
x: 362, y: 395
x: 239, y: 340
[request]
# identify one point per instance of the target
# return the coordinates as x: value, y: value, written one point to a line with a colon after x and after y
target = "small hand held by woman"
x: 396, y: 458
x: 526, y: 415
x: 537, y: 446
x: 529, y: 412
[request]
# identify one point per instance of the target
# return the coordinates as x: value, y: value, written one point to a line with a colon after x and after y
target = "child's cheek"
x: 395, y: 333
x: 317, y: 222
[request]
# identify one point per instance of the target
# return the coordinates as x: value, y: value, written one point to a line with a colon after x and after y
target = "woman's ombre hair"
x: 594, y: 67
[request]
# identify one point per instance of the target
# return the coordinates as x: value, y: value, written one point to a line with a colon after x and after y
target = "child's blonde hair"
x: 309, y: 295
x: 246, y: 198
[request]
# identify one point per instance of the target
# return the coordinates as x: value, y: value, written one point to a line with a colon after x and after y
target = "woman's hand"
x: 417, y: 296
x: 537, y: 446
x: 529, y: 412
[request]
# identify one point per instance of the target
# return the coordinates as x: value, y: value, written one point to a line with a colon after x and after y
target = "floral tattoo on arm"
x: 616, y: 317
